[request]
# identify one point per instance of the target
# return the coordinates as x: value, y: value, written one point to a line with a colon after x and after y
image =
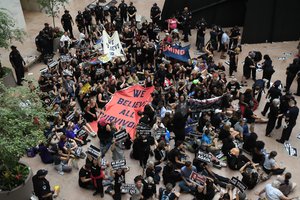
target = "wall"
x: 15, y: 10
x: 30, y: 5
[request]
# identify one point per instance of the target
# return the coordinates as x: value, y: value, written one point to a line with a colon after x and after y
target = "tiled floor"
x: 68, y: 182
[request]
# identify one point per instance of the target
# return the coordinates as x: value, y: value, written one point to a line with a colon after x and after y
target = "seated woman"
x: 153, y: 171
x: 258, y: 154
x: 85, y: 180
x: 160, y: 153
x: 71, y: 132
x: 235, y: 160
x: 45, y: 154
x: 177, y: 155
x: 286, y: 186
x: 63, y: 162
x: 249, y: 142
x: 170, y: 175
x: 270, y: 166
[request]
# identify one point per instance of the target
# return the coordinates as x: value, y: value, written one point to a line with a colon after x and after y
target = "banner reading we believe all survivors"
x: 124, y: 106
x: 112, y: 45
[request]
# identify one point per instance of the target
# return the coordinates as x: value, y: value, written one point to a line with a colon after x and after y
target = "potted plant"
x: 22, y: 122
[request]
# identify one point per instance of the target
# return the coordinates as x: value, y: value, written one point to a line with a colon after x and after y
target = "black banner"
x: 128, y: 188
x: 204, y: 157
x: 118, y: 164
x: 94, y: 151
x: 239, y: 184
x: 120, y: 135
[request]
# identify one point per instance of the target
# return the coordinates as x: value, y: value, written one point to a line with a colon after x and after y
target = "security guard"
x: 131, y: 12
x: 41, y: 185
x: 186, y: 23
x: 155, y: 14
x: 48, y: 35
x: 113, y: 12
x: 118, y: 23
x: 290, y: 118
x: 99, y: 12
x: 87, y: 16
x: 67, y: 21
x: 80, y: 21
x: 18, y: 63
x: 234, y: 37
x: 123, y: 11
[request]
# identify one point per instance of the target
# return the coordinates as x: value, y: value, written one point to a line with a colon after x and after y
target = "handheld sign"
x: 204, y: 157
x: 118, y: 164
x: 94, y: 151
x: 197, y: 178
x: 128, y: 188
x: 239, y: 184
x: 143, y: 129
x: 121, y: 135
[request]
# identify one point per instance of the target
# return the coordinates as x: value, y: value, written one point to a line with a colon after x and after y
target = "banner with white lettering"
x: 112, y: 45
x: 177, y: 52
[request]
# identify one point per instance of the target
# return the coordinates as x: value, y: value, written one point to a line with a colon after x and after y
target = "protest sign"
x: 120, y: 135
x: 177, y: 52
x: 123, y: 108
x: 197, y: 178
x: 128, y: 188
x: 94, y: 151
x: 118, y: 164
x: 239, y: 184
x: 112, y: 45
x: 204, y: 157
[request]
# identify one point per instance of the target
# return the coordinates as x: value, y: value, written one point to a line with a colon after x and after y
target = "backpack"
x: 165, y: 196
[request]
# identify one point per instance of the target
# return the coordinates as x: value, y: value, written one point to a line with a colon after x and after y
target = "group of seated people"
x: 75, y: 93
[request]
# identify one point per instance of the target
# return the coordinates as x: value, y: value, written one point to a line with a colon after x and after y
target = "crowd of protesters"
x: 75, y: 91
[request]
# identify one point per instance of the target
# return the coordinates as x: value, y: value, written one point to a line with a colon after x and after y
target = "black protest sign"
x: 204, y: 157
x: 128, y: 188
x: 143, y: 129
x: 81, y: 133
x: 94, y: 151
x: 239, y: 184
x: 118, y: 164
x: 121, y: 135
x: 197, y: 178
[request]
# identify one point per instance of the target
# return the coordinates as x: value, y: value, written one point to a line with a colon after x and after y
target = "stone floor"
x: 68, y: 182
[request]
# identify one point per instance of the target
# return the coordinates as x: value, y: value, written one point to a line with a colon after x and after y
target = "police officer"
x: 273, y: 93
x: 41, y: 185
x: 99, y: 12
x: 131, y: 12
x: 48, y: 35
x: 113, y: 12
x: 298, y: 84
x: 155, y: 14
x: 291, y: 72
x: 186, y: 23
x: 290, y: 118
x: 234, y: 37
x: 284, y: 106
x: 80, y: 21
x: 123, y: 11
x: 272, y: 116
x: 118, y: 22
x: 87, y: 16
x: 17, y: 63
x: 67, y: 21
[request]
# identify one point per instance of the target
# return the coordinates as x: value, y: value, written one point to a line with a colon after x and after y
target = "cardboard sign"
x: 52, y: 64
x: 128, y: 188
x: 94, y: 151
x: 239, y: 184
x: 81, y: 133
x: 118, y: 164
x: 204, y: 157
x: 122, y: 109
x: 70, y: 116
x: 197, y: 178
x: 292, y: 151
x: 120, y: 135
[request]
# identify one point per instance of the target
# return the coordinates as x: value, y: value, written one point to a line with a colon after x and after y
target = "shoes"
x: 277, y: 127
x: 279, y: 141
x: 263, y: 114
x: 93, y: 134
x: 101, y: 195
x: 95, y: 193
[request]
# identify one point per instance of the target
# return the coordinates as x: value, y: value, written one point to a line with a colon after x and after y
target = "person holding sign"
x: 117, y: 149
x: 119, y: 179
x: 186, y: 185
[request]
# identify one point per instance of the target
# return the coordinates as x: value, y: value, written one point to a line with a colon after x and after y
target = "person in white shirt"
x: 65, y: 39
x: 273, y: 193
x: 225, y: 43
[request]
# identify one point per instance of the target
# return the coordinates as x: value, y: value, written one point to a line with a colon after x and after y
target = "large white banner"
x: 112, y: 45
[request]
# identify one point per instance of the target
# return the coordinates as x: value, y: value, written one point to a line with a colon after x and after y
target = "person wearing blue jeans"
x: 186, y: 186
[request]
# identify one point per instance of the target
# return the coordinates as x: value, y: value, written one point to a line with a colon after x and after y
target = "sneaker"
x: 101, y: 195
x: 93, y: 134
x: 223, y: 164
x: 61, y: 172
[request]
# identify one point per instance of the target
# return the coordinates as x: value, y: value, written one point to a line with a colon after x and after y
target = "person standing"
x: 200, y: 36
x: 247, y: 68
x: 41, y: 186
x: 268, y: 70
x: 67, y: 21
x: 186, y: 24
x: 80, y: 21
x: 235, y: 35
x: 224, y: 44
x: 87, y: 16
x: 123, y: 11
x: 273, y: 115
x: 17, y: 63
x: 155, y: 14
x: 291, y: 72
x: 273, y: 93
x: 298, y: 84
x: 48, y: 36
x: 284, y: 106
x: 113, y: 12
x: 233, y: 60
x: 131, y: 12
x: 290, y: 118
x: 99, y: 12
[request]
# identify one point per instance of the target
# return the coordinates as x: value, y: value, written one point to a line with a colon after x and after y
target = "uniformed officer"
x: 87, y: 16
x: 67, y: 21
x: 273, y: 93
x: 80, y: 21
x: 99, y: 12
x: 234, y: 37
x: 48, y: 35
x: 131, y: 12
x: 123, y: 11
x: 291, y: 72
x: 113, y: 12
x: 290, y: 118
x: 284, y: 106
x: 186, y: 23
x: 155, y: 14
x: 17, y: 63
x: 41, y: 185
x: 118, y: 22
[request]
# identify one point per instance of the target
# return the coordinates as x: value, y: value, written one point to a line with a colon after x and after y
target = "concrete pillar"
x: 30, y: 5
x: 14, y: 9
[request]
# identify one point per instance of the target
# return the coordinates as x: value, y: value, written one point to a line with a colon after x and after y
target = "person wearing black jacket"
x: 123, y: 11
x: 291, y: 72
x: 273, y: 115
x: 290, y: 117
x: 284, y: 106
x: 18, y: 64
x: 131, y: 10
x: 155, y: 14
x: 99, y: 12
x: 87, y: 19
x: 186, y: 24
x: 80, y: 21
x: 113, y: 12
x: 67, y: 21
x: 273, y: 93
x: 41, y: 185
x: 268, y: 70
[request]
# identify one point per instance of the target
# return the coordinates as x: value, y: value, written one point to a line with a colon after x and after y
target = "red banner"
x: 124, y: 106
